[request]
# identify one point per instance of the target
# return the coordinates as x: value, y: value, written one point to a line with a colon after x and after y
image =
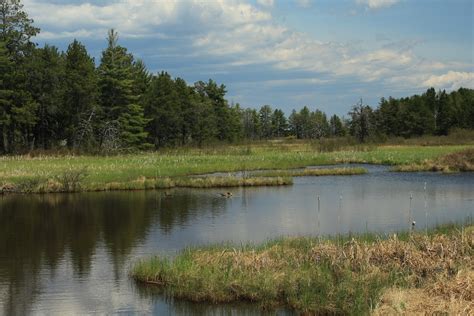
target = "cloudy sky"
x: 322, y: 53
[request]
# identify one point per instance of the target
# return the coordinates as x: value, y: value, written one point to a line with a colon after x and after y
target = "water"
x: 71, y: 253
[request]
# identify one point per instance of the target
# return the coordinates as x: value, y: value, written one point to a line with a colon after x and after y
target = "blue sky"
x: 325, y: 54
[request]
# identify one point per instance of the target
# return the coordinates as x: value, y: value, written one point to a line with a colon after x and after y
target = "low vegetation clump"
x: 453, y: 162
x: 72, y: 183
x: 333, y: 276
x: 313, y: 172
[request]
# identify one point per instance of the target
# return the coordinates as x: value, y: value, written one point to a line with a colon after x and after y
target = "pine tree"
x: 6, y: 68
x: 336, y: 126
x: 294, y: 124
x: 16, y: 30
x: 119, y: 102
x: 162, y: 107
x: 222, y: 112
x: 80, y: 109
x: 251, y: 124
x: 45, y: 83
x: 279, y: 123
x: 265, y: 116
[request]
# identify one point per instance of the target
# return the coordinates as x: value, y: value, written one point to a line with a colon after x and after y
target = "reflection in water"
x: 72, y: 252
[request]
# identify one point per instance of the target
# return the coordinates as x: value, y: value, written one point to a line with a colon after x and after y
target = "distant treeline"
x: 51, y: 99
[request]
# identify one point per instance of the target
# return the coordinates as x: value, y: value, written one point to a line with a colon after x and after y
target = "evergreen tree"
x: 185, y: 110
x: 265, y: 116
x: 294, y: 124
x: 80, y: 110
x: 45, y: 83
x: 336, y: 127
x: 163, y: 108
x: 444, y: 119
x: 235, y: 123
x: 6, y: 69
x: 305, y: 122
x: 119, y: 102
x: 132, y: 124
x: 251, y: 124
x: 279, y: 123
x: 16, y: 30
x: 319, y: 126
x: 204, y: 128
x: 222, y: 113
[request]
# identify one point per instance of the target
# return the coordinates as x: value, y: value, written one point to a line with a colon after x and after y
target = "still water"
x: 71, y: 253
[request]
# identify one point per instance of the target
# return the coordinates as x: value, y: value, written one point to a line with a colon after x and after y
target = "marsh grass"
x: 313, y: 172
x: 453, y: 162
x: 344, y: 275
x: 122, y: 171
x: 73, y: 184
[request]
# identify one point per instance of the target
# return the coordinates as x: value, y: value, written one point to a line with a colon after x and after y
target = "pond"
x: 72, y: 252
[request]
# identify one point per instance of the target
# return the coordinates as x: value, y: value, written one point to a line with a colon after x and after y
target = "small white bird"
x: 413, y: 224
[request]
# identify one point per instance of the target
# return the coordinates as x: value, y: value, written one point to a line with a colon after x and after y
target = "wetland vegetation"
x: 175, y: 168
x: 339, y: 275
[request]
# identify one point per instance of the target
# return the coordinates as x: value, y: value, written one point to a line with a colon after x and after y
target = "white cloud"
x: 239, y: 34
x: 266, y: 3
x: 451, y: 80
x: 377, y: 4
x: 132, y: 17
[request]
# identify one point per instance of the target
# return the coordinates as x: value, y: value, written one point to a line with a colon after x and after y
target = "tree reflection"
x: 38, y: 232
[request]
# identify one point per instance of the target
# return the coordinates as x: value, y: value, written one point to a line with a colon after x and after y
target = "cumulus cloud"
x: 143, y: 17
x: 239, y: 35
x: 377, y: 4
x: 451, y: 80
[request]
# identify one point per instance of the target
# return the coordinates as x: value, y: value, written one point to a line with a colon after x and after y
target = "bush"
x: 70, y: 180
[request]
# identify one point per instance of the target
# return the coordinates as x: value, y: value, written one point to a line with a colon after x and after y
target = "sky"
x: 325, y: 54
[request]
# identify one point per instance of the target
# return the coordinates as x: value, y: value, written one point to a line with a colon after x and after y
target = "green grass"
x: 453, y: 162
x: 329, y: 276
x: 99, y: 172
x: 313, y: 172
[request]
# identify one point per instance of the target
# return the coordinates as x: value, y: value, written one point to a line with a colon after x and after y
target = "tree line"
x: 51, y: 99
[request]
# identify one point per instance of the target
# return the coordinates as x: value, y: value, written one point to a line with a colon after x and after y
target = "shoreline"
x: 348, y: 274
x: 260, y: 167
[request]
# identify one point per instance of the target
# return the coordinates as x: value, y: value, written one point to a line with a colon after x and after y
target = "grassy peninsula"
x: 178, y: 167
x: 406, y: 273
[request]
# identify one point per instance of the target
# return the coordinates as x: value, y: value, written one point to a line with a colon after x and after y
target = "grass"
x: 313, y: 172
x: 48, y: 173
x: 354, y: 275
x: 453, y: 162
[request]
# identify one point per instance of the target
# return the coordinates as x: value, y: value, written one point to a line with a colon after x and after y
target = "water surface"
x: 71, y: 253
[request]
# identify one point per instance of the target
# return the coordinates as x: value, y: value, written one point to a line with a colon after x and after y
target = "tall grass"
x: 331, y: 276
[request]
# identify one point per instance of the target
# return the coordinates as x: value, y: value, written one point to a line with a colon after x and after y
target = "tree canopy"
x: 52, y: 99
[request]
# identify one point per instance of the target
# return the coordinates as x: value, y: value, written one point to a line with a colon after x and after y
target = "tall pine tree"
x: 80, y: 111
x: 120, y: 103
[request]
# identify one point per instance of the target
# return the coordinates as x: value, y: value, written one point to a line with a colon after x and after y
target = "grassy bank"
x: 87, y: 173
x: 453, y: 162
x: 313, y: 172
x: 335, y: 276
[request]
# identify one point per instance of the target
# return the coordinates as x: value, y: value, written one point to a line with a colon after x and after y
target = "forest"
x: 51, y: 99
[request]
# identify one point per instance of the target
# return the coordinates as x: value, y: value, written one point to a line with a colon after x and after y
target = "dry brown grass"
x: 422, y: 272
x: 454, y: 162
x: 453, y: 296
